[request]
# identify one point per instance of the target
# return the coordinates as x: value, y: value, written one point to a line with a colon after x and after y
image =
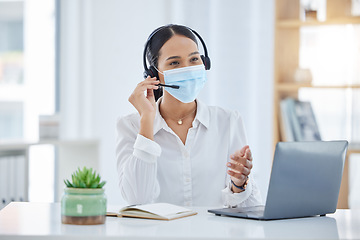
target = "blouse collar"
x: 202, y: 117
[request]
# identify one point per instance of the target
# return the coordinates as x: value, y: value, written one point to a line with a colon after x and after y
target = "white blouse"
x: 194, y: 174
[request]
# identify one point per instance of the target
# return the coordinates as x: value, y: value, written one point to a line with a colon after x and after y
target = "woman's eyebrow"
x: 172, y: 57
x: 176, y: 57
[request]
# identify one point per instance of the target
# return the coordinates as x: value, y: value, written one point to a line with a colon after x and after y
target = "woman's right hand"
x: 145, y: 105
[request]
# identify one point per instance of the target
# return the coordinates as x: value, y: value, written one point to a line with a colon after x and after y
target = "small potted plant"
x: 84, y: 201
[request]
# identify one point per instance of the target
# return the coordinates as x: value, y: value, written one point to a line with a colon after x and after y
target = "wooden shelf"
x: 354, y: 147
x: 293, y: 87
x: 298, y: 23
x: 286, y: 60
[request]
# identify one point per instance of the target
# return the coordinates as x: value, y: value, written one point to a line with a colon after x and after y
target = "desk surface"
x: 42, y: 220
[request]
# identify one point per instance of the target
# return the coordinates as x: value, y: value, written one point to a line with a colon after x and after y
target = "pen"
x: 171, y: 86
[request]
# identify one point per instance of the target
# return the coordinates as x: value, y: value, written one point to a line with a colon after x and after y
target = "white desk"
x: 42, y: 221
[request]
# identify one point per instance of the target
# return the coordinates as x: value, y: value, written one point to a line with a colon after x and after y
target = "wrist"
x: 147, y: 115
x: 147, y: 126
x: 237, y: 188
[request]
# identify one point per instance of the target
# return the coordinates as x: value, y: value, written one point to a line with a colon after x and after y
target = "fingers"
x: 142, y: 98
x: 152, y: 79
x: 148, y: 83
x: 241, y: 152
x: 240, y: 160
x: 244, y: 153
x: 248, y: 154
x: 239, y: 168
x: 237, y: 177
x: 154, y: 86
x: 236, y: 161
x: 150, y: 93
x: 240, y: 164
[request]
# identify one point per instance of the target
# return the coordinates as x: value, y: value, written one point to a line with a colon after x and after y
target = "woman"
x: 177, y: 149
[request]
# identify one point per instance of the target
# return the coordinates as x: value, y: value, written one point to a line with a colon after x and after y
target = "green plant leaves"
x: 102, y: 184
x: 85, y: 178
x: 67, y: 183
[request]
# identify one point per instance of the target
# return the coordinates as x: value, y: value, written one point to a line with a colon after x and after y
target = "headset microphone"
x: 170, y: 86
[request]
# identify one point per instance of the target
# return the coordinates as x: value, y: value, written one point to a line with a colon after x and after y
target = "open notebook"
x: 159, y: 211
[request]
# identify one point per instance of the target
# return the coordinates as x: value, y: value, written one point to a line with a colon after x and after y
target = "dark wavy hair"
x: 158, y: 38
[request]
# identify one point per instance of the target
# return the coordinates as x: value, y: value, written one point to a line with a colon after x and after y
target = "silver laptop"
x: 305, y: 181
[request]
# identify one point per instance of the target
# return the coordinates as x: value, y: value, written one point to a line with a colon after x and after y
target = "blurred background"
x: 67, y: 68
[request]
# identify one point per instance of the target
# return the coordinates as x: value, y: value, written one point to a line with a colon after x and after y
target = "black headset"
x: 152, y: 72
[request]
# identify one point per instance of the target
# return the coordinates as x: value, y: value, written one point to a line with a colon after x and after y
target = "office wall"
x: 101, y: 63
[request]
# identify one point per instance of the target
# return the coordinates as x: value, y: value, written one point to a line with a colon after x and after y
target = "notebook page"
x: 162, y: 209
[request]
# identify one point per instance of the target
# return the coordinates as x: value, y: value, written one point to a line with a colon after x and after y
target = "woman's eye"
x: 195, y: 59
x: 174, y: 63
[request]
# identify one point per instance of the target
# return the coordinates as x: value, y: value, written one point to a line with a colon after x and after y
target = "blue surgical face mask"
x: 189, y: 79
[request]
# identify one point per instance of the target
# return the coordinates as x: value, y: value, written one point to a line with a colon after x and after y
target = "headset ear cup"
x: 206, y: 61
x: 158, y: 93
x: 146, y: 73
x: 153, y: 72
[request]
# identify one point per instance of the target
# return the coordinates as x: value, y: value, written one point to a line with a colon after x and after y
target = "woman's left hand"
x: 240, y: 166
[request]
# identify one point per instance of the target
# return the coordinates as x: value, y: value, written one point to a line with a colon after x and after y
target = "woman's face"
x: 178, y: 52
